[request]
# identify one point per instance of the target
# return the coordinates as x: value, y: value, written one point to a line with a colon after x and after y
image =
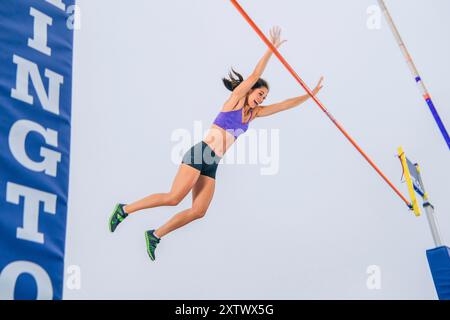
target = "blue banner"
x: 36, y: 42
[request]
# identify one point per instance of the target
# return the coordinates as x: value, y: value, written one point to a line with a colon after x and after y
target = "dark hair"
x: 233, y: 82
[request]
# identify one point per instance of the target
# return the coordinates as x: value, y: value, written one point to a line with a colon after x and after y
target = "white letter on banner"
x: 10, y: 274
x: 32, y: 198
x: 39, y: 41
x: 27, y: 68
x: 58, y: 3
x: 17, y: 137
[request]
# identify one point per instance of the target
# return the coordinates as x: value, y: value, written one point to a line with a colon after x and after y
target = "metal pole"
x: 429, y: 209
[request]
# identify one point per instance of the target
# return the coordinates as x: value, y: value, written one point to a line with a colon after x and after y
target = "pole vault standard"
x: 415, y: 72
x: 316, y: 100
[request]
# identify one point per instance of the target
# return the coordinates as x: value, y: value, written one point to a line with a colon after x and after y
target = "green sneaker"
x: 152, y: 241
x: 117, y: 216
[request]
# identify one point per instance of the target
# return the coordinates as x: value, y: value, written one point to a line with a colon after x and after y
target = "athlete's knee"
x: 173, y: 199
x: 198, y: 212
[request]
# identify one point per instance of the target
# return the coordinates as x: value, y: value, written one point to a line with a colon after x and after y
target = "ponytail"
x: 231, y: 82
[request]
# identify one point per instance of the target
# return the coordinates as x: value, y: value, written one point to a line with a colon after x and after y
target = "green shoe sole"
x: 147, y: 240
x: 111, y: 217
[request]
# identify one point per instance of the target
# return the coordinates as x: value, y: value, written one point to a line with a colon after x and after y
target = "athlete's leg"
x: 185, y: 179
x: 202, y: 193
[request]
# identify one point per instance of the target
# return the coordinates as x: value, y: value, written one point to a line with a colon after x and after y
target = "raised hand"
x: 318, y: 86
x: 275, y: 37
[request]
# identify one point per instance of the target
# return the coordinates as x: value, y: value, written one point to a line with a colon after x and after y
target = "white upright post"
x: 429, y: 209
x: 433, y: 224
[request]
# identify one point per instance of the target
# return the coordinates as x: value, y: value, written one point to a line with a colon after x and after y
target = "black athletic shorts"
x: 203, y: 158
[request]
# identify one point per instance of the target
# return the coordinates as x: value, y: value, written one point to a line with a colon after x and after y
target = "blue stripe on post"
x: 418, y: 79
x: 438, y: 121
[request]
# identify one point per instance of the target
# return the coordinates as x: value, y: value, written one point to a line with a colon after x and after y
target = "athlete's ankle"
x: 157, y: 235
x: 126, y: 209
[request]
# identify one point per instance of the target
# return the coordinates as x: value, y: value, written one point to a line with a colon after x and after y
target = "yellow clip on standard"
x: 412, y: 195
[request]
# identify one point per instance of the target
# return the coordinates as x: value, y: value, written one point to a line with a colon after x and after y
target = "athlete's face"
x: 257, y: 96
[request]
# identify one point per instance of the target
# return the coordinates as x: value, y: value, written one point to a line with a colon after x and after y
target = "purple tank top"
x: 231, y: 121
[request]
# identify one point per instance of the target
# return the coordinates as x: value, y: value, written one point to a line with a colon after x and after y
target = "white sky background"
x: 143, y: 69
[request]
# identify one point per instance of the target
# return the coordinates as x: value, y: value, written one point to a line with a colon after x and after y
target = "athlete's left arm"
x: 264, y: 111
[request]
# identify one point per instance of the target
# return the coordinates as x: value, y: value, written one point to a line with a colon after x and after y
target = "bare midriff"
x: 219, y: 140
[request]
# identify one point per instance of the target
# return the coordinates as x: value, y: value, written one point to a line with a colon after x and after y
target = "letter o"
x: 10, y: 274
